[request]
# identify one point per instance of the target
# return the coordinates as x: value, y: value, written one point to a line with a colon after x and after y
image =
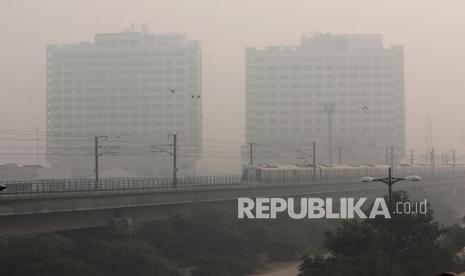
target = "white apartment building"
x: 13, y: 172
x: 288, y: 88
x: 135, y: 88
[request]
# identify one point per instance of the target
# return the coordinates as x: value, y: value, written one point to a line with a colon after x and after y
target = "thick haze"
x: 432, y: 32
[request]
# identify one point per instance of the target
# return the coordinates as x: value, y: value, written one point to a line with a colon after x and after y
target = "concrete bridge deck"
x: 54, y: 211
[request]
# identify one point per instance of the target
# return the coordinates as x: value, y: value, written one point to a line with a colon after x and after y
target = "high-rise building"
x: 346, y: 92
x: 135, y: 88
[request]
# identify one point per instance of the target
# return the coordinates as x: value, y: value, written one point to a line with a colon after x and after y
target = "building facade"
x: 345, y: 92
x: 13, y: 172
x: 133, y: 87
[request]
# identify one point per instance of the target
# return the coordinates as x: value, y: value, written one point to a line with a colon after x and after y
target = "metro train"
x: 324, y: 172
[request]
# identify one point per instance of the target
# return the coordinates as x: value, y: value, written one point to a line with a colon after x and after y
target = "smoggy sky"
x: 432, y: 32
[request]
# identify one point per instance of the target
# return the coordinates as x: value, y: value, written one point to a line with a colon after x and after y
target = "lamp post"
x: 389, y: 181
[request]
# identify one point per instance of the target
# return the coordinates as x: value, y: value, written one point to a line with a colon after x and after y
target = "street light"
x: 390, y: 181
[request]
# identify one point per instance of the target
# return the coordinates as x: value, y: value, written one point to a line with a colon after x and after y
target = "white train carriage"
x: 270, y: 172
x: 426, y: 170
x: 349, y: 172
x: 296, y: 172
x: 375, y: 170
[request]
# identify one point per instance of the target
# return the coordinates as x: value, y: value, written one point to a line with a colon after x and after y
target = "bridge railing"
x: 17, y: 188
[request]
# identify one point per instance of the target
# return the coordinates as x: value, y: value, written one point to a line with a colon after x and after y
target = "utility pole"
x: 96, y: 158
x: 98, y: 154
x: 387, y: 156
x: 453, y: 159
x: 432, y: 162
x: 96, y: 161
x: 330, y: 109
x: 314, y: 159
x: 392, y: 157
x: 251, y: 153
x: 339, y: 151
x: 429, y: 132
x: 391, y: 248
x: 175, y: 168
x: 37, y: 146
x: 173, y: 153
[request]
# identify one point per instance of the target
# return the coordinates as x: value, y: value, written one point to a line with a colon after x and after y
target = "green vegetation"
x: 212, y: 242
x: 206, y: 242
x: 420, y: 247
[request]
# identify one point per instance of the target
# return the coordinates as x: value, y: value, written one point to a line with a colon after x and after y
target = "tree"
x: 42, y: 254
x: 363, y: 247
x: 132, y: 258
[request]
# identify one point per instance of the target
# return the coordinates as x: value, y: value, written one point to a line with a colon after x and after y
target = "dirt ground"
x: 280, y: 269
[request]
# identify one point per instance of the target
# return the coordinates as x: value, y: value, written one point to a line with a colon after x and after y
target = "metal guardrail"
x: 61, y: 186
x: 19, y: 188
